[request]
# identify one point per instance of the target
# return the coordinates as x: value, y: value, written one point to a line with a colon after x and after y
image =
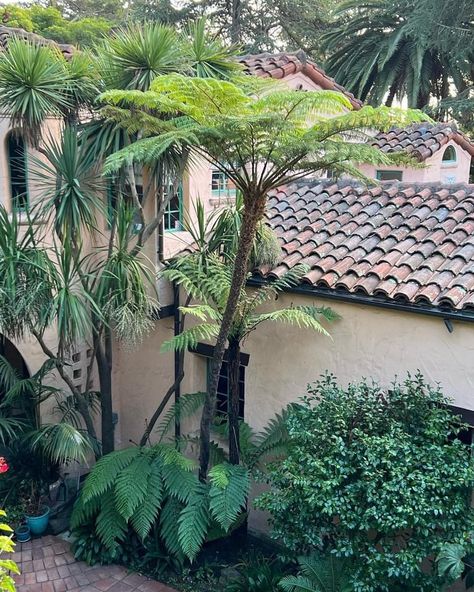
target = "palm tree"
x: 374, y: 50
x: 210, y: 286
x: 261, y: 137
x: 37, y: 83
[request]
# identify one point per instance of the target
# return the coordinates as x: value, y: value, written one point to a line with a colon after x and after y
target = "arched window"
x: 449, y: 156
x: 17, y: 162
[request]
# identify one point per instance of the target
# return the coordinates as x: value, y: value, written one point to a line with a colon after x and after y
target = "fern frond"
x: 293, y: 316
x: 170, y: 456
x: 169, y: 525
x: 147, y: 512
x: 191, y: 337
x: 105, y: 471
x: 186, y: 406
x: 131, y: 486
x: 299, y: 584
x: 194, y: 522
x: 84, y: 511
x: 111, y: 527
x: 204, y: 312
x: 178, y: 482
x: 228, y: 493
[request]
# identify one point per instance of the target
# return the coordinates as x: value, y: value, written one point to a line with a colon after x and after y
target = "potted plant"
x: 16, y: 516
x: 36, y: 511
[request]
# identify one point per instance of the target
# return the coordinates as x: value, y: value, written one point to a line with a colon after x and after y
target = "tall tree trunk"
x: 254, y: 208
x: 236, y: 22
x: 233, y: 354
x: 104, y: 368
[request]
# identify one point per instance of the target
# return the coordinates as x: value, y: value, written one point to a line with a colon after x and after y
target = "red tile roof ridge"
x: 275, y: 65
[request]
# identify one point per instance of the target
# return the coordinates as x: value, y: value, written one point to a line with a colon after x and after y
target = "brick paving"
x: 47, y: 565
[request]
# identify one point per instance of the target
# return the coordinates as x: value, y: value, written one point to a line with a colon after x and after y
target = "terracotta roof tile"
x: 280, y: 65
x: 421, y: 140
x: 359, y: 240
x: 7, y: 33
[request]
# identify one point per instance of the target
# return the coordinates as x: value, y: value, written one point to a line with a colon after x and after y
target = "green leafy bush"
x: 377, y: 476
x: 457, y: 561
x: 7, y: 566
x: 140, y: 487
x: 258, y: 574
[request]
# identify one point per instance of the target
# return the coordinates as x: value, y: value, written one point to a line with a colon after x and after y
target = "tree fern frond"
x: 111, y: 527
x: 194, y: 522
x: 201, y: 311
x: 147, y: 512
x: 228, y: 493
x: 169, y: 525
x: 84, y: 511
x: 186, y: 406
x: 105, y: 471
x: 131, y: 486
x: 189, y: 338
x: 178, y: 482
x: 299, y: 584
x: 293, y: 316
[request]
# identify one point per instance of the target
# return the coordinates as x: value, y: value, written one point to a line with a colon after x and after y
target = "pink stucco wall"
x: 434, y: 170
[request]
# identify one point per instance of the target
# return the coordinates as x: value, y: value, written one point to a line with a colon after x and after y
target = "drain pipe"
x: 177, y: 363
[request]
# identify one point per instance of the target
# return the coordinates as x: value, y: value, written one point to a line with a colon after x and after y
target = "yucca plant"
x: 107, y: 291
x: 258, y: 135
x: 210, y: 286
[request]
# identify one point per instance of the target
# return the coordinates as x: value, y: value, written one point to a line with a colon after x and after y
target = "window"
x: 389, y: 175
x: 173, y: 216
x: 449, y: 156
x: 223, y: 390
x: 16, y: 153
x: 221, y: 185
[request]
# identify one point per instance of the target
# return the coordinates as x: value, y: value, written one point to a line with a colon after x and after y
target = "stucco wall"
x: 434, y: 170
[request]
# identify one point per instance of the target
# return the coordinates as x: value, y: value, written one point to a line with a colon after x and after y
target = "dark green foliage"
x: 260, y: 574
x: 377, y: 476
x: 319, y: 573
x: 457, y: 561
x: 153, y: 492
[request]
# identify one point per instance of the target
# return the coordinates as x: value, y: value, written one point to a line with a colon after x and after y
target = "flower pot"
x: 38, y: 524
x: 22, y: 533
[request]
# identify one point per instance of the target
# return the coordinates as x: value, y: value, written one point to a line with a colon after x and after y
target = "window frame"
x: 225, y: 192
x: 12, y: 134
x: 225, y: 397
x: 380, y: 172
x: 449, y: 162
x: 168, y: 213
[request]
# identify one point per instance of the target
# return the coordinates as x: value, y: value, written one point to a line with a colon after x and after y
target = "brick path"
x: 47, y: 565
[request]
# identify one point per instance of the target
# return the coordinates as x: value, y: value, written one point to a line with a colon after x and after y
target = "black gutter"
x: 163, y: 313
x: 177, y: 353
x: 459, y: 315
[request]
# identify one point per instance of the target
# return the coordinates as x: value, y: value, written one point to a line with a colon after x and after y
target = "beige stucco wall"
x: 434, y: 170
x: 366, y: 342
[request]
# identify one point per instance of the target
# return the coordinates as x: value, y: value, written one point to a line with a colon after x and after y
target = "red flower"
x: 3, y: 465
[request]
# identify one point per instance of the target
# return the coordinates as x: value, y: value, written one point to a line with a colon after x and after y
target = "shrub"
x: 376, y: 476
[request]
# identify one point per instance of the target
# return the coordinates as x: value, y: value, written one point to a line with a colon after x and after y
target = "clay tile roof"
x: 6, y: 33
x: 358, y: 244
x: 280, y: 65
x: 422, y: 140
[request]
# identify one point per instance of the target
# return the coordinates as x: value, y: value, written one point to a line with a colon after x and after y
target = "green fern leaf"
x: 111, y: 527
x: 228, y: 493
x: 83, y: 511
x: 194, y: 522
x: 178, y: 482
x: 147, y: 512
x: 169, y: 525
x: 131, y: 486
x: 105, y: 471
x: 299, y: 584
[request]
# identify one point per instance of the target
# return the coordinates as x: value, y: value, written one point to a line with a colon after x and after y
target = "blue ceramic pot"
x: 38, y: 524
x: 22, y: 534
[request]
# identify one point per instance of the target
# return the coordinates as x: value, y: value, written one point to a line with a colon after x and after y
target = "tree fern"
x: 194, y: 521
x: 179, y: 483
x: 228, y: 493
x: 186, y: 406
x: 319, y: 574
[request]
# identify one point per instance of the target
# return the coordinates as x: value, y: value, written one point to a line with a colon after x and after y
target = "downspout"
x: 177, y: 362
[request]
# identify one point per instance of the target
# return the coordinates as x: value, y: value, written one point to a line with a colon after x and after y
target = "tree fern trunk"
x: 254, y: 208
x: 234, y: 375
x: 104, y: 367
